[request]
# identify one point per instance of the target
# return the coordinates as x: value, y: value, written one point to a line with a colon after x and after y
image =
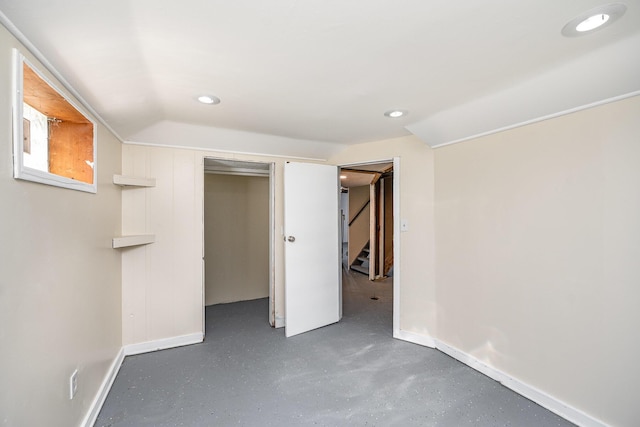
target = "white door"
x: 312, y: 247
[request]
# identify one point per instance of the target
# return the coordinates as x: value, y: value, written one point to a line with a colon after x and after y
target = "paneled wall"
x: 162, y: 282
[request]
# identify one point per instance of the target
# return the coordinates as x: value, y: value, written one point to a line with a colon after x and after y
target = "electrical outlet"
x: 73, y: 384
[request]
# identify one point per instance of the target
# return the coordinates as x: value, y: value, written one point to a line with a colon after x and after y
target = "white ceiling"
x: 327, y: 70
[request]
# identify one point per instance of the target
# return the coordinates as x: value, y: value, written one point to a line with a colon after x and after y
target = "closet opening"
x: 238, y: 232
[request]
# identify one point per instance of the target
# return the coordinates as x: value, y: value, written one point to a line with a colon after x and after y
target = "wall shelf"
x: 133, y: 240
x: 133, y: 181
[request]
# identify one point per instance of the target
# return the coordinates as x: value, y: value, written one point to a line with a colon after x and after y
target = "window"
x: 54, y: 141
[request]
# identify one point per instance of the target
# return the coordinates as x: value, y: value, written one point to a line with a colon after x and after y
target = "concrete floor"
x: 352, y: 373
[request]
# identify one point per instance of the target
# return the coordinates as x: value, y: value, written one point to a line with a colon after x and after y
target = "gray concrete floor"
x: 352, y: 373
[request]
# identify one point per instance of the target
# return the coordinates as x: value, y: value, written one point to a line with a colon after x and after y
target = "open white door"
x: 312, y: 247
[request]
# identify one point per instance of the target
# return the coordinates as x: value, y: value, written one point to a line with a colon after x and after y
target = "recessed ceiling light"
x: 592, y: 22
x: 593, y: 19
x: 396, y: 114
x: 209, y: 99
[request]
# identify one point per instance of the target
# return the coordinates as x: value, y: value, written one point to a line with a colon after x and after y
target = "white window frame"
x: 20, y: 171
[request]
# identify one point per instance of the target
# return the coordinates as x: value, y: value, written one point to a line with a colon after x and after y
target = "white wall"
x: 236, y: 237
x: 538, y: 256
x: 417, y: 256
x: 60, y: 298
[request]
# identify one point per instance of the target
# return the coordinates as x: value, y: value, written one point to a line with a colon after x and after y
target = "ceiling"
x: 359, y: 175
x: 326, y: 70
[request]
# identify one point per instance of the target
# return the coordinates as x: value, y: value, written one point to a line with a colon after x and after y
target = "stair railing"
x: 359, y: 212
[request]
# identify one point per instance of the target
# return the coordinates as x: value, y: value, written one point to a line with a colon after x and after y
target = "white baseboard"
x: 414, y: 338
x: 541, y: 398
x: 92, y: 414
x: 162, y: 344
x: 130, y: 350
x: 556, y: 406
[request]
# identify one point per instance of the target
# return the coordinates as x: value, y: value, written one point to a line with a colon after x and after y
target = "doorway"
x: 370, y: 200
x: 216, y: 165
x: 238, y: 232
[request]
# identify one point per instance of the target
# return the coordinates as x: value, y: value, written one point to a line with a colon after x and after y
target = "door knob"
x: 291, y: 239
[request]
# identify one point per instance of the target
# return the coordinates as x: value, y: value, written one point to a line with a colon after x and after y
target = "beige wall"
x: 236, y: 238
x: 538, y: 255
x: 417, y: 255
x: 358, y: 197
x: 59, y: 282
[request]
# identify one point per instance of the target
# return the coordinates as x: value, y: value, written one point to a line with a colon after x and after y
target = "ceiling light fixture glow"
x: 592, y: 22
x: 209, y: 99
x: 396, y: 114
x: 594, y: 19
x: 343, y: 176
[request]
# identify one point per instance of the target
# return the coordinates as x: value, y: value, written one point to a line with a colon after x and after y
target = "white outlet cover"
x: 404, y: 225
